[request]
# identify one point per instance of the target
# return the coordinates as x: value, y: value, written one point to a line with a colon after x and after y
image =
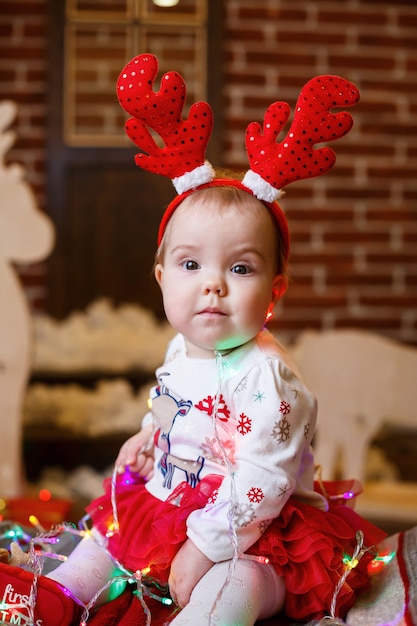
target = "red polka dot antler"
x: 185, y: 141
x: 274, y: 165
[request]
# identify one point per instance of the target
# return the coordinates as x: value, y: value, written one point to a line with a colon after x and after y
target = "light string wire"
x: 113, y: 496
x: 13, y: 608
x: 350, y: 564
x: 36, y: 562
x: 143, y: 582
x: 220, y: 368
x: 37, y: 557
x: 136, y: 577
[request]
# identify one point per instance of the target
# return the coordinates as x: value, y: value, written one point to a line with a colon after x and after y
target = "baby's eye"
x: 241, y: 269
x: 190, y: 265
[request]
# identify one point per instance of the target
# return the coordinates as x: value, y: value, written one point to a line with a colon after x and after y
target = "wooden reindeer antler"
x: 185, y: 141
x: 275, y: 164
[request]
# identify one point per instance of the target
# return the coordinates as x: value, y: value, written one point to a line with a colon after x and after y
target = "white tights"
x: 87, y: 570
x: 254, y: 591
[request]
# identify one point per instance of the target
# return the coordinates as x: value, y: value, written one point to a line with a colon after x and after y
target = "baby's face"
x: 218, y: 275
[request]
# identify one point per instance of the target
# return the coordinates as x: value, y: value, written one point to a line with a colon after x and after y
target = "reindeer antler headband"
x: 273, y: 165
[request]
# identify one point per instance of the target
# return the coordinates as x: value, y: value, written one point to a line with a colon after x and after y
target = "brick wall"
x: 354, y: 231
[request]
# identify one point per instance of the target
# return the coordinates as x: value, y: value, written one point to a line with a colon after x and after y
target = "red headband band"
x: 273, y: 207
x: 273, y: 165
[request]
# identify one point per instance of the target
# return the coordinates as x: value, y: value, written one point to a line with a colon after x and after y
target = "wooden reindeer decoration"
x: 26, y: 236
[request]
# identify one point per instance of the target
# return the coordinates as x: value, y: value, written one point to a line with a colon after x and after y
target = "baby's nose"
x: 215, y: 284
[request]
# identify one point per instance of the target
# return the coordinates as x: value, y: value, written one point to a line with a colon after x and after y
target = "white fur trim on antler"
x: 260, y: 187
x: 198, y: 176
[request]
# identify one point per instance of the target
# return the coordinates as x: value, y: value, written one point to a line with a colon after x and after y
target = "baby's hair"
x: 227, y: 196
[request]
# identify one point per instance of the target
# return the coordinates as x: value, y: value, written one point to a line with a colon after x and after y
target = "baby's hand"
x: 188, y: 566
x: 137, y: 454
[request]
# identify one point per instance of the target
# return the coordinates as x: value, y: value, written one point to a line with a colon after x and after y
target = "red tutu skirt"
x: 150, y: 531
x: 308, y: 547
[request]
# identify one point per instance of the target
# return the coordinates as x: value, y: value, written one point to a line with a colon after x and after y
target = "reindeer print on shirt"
x: 166, y: 410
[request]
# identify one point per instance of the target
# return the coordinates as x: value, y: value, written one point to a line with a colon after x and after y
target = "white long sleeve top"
x: 245, y: 415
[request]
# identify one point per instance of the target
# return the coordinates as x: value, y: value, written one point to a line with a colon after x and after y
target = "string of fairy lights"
x: 45, y: 545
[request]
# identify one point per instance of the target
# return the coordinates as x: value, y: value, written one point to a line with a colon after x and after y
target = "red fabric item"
x: 112, y: 613
x: 307, y: 547
x: 185, y: 141
x: 53, y: 607
x: 127, y: 610
x: 273, y: 207
x: 151, y: 531
x: 295, y: 157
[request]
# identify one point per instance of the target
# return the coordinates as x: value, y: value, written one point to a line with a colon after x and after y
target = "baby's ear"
x: 279, y: 287
x: 158, y: 272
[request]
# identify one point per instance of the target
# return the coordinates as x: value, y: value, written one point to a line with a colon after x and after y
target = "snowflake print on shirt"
x: 259, y: 396
x: 244, y: 425
x: 283, y: 491
x: 255, y: 494
x: 281, y: 430
x: 264, y: 525
x: 244, y: 514
x: 212, y: 450
x: 284, y: 408
x: 208, y: 405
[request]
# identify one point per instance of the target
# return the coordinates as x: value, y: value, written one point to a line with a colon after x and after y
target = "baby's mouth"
x: 215, y: 312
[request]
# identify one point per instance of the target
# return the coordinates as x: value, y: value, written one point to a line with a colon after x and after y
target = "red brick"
x: 353, y: 236
x: 349, y: 277
x: 391, y: 215
x: 389, y: 257
x: 244, y: 78
x: 384, y: 300
x: 359, y: 17
x: 388, y: 3
x: 387, y: 41
x: 245, y: 34
x: 311, y: 37
x: 360, y: 193
x: 267, y: 12
x: 392, y: 172
x: 20, y: 7
x: 388, y: 86
x: 278, y: 59
x: 299, y: 297
x: 362, y: 61
x: 407, y: 19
